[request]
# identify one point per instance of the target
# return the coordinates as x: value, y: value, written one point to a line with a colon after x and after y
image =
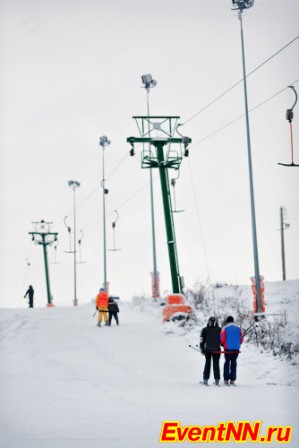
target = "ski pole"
x: 194, y: 348
x: 246, y: 331
x: 94, y: 313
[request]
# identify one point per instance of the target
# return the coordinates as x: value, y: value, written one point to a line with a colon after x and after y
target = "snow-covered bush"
x: 272, y: 333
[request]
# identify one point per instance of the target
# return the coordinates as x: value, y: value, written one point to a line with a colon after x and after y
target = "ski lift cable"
x: 199, y: 221
x: 79, y: 205
x: 189, y: 119
x: 239, y: 117
x: 118, y: 165
x: 92, y: 193
x: 121, y: 205
x: 239, y: 82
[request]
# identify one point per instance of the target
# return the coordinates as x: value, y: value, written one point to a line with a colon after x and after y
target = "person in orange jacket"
x: 102, y: 306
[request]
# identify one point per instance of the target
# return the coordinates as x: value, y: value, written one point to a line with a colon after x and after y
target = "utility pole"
x: 163, y: 160
x: 42, y: 236
x: 240, y: 5
x: 283, y: 226
x: 75, y: 184
x: 149, y: 83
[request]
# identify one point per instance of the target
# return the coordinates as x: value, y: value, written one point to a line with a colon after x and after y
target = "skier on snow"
x: 113, y: 310
x: 209, y: 342
x: 102, y: 306
x: 231, y: 338
x: 30, y: 293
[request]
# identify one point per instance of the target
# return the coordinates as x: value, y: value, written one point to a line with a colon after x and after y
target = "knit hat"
x: 211, y: 322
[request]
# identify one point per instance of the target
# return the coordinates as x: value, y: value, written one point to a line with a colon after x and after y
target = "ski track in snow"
x: 65, y: 383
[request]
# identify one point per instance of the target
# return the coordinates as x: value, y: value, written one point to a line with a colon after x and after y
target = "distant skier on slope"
x: 231, y: 338
x: 209, y: 342
x: 102, y: 306
x: 30, y: 293
x: 113, y: 311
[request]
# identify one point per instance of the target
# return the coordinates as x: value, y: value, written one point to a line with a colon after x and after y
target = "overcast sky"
x: 71, y: 73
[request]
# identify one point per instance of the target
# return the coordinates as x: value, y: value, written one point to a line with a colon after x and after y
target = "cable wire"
x: 120, y: 205
x: 241, y: 80
x: 199, y: 221
x: 117, y: 166
x: 240, y: 116
x: 92, y: 193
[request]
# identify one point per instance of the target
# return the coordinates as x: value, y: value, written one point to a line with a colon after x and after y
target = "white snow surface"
x: 66, y: 383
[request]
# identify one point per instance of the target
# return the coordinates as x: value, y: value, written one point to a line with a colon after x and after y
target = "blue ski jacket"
x: 231, y: 337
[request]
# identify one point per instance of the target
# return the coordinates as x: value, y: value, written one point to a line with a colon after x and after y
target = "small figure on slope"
x: 113, y: 310
x: 30, y: 293
x: 231, y: 339
x: 102, y: 306
x: 209, y: 343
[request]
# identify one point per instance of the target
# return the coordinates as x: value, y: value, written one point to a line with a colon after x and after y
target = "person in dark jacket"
x: 210, y: 343
x: 231, y: 338
x: 30, y: 293
x: 113, y: 310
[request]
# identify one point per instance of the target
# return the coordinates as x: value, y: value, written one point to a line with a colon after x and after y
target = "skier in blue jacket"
x: 231, y: 338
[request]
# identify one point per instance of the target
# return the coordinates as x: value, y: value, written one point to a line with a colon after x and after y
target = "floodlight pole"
x: 243, y: 6
x: 74, y: 184
x: 104, y: 224
x: 282, y: 227
x: 155, y: 270
x: 104, y: 142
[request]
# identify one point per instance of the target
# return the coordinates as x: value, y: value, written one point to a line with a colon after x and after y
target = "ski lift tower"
x: 158, y: 132
x: 43, y: 236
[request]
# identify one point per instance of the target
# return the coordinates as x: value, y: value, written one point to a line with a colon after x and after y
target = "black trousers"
x: 113, y: 314
x: 216, y: 369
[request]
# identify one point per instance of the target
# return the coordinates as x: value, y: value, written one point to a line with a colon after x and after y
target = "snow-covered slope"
x: 65, y: 383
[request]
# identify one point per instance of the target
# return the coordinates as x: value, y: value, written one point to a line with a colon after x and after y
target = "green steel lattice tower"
x: 165, y: 127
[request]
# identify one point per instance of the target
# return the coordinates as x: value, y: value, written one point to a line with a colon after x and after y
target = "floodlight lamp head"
x: 73, y: 183
x: 148, y: 81
x: 146, y: 78
x: 242, y: 4
x: 104, y: 141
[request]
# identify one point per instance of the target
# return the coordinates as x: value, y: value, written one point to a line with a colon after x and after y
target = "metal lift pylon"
x: 165, y: 128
